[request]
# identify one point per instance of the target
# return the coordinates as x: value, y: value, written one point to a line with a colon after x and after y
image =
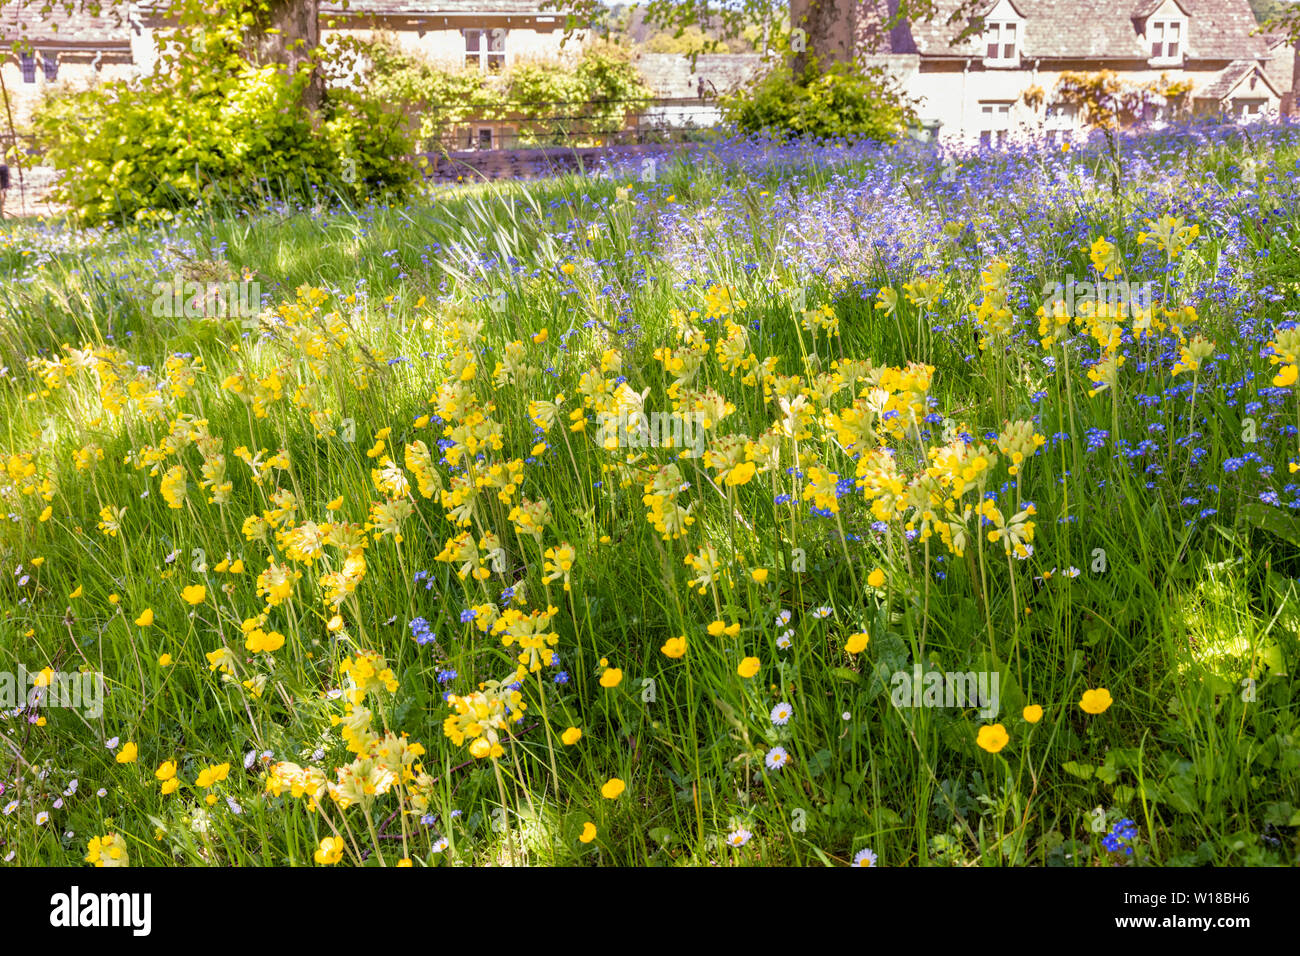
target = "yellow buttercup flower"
x: 194, y: 594
x: 330, y: 851
x: 611, y: 677
x: 674, y: 647
x: 1032, y: 714
x: 876, y: 578
x: 146, y: 617
x: 857, y: 643
x: 612, y: 788
x: 588, y: 832
x: 1096, y: 701
x: 740, y: 475
x: 748, y: 667
x: 213, y: 774
x: 128, y: 753
x: 992, y: 738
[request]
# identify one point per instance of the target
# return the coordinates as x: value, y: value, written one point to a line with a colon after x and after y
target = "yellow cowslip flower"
x: 886, y: 300
x: 174, y: 486
x: 1192, y: 354
x: 821, y: 489
x: 220, y: 659
x: 559, y: 563
x: 1105, y: 258
x: 108, y: 851
x: 110, y: 520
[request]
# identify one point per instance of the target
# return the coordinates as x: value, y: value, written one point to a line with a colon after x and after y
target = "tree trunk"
x: 297, y: 26
x: 827, y: 37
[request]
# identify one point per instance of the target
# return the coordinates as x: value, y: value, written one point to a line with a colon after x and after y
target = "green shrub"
x: 584, y: 98
x: 132, y: 150
x: 837, y: 103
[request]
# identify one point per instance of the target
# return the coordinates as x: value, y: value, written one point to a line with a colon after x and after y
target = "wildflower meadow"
x: 754, y: 505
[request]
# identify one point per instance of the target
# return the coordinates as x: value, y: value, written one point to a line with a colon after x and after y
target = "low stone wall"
x: 474, y: 166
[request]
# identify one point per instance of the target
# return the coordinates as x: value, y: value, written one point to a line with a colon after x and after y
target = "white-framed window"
x: 485, y: 50
x: 995, y: 122
x: 1166, y: 38
x: 1059, y: 124
x: 1002, y: 42
x: 1249, y: 109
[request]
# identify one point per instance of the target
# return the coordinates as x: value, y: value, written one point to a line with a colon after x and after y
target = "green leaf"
x: 1272, y: 520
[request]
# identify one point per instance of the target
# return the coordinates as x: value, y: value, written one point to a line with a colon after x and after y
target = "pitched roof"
x: 1229, y: 79
x: 432, y: 8
x: 27, y: 20
x: 1058, y: 29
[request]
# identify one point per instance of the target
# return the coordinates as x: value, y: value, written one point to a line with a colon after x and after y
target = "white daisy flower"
x: 864, y: 858
x: 776, y: 758
x: 738, y: 837
x: 782, y: 713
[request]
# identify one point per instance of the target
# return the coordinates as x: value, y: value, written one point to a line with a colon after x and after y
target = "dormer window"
x: 1166, y: 38
x: 1002, y: 42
